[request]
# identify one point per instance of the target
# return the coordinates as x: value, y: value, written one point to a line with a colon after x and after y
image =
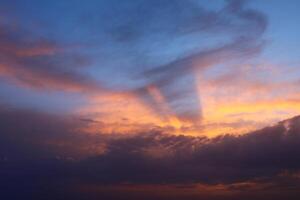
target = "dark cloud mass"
x: 47, y: 155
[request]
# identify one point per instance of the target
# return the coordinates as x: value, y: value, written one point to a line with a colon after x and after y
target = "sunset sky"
x: 115, y: 99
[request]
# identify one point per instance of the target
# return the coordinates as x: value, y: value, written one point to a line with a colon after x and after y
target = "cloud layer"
x: 46, y: 150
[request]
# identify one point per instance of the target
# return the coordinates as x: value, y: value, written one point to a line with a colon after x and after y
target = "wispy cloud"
x: 41, y: 63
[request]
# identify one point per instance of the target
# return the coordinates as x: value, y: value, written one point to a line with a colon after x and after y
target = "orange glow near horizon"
x: 127, y: 113
x: 241, y: 106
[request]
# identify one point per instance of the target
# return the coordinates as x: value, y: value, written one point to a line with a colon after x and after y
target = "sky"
x: 111, y: 97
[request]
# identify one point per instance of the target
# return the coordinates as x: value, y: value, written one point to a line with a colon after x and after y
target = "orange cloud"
x: 127, y: 113
x: 237, y: 107
x: 238, y: 102
x: 41, y: 63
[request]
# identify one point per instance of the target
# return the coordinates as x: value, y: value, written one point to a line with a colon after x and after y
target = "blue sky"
x: 63, y: 54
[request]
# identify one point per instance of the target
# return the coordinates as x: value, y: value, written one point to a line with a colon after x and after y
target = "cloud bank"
x: 48, y: 155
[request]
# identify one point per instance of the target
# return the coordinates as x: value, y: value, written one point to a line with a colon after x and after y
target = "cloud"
x: 41, y: 63
x: 225, y: 159
x: 158, y: 44
x: 54, y: 155
x: 136, y: 20
x: 242, y: 28
x: 42, y: 136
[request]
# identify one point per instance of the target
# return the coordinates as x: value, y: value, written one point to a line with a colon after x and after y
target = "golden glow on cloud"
x: 232, y: 108
x: 242, y: 106
x: 127, y: 113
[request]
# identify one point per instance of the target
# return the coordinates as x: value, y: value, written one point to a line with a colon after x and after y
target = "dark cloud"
x: 27, y: 134
x: 43, y: 155
x: 159, y: 158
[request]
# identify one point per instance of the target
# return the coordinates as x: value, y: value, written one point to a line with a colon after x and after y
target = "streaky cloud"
x: 42, y: 63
